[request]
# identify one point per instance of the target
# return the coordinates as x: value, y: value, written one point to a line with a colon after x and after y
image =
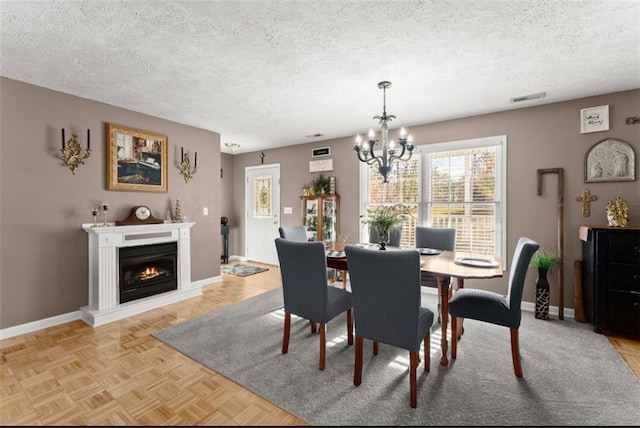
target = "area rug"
x: 572, y: 375
x: 241, y: 270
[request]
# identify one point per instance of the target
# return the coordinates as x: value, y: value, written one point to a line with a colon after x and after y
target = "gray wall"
x: 538, y: 137
x: 43, y: 250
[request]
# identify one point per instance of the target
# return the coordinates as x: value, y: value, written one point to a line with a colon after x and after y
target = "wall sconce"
x: 185, y: 165
x: 71, y: 153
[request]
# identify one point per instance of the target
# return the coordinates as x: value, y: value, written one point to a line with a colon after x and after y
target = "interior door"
x: 262, y: 202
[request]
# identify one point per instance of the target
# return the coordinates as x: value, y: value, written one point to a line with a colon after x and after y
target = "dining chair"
x: 386, y: 306
x: 495, y: 308
x: 303, y: 268
x: 395, y: 236
x: 439, y: 238
x: 299, y: 233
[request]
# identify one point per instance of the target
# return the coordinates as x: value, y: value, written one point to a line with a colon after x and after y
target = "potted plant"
x: 543, y: 260
x: 384, y: 218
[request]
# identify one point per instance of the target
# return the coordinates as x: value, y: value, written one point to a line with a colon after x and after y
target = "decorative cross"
x: 586, y: 198
x: 262, y: 158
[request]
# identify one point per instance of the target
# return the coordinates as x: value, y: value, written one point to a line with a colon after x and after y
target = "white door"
x: 262, y: 202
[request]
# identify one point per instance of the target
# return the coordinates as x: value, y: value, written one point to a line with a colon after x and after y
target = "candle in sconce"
x: 62, y: 138
x: 88, y: 140
x: 195, y: 160
x: 181, y: 154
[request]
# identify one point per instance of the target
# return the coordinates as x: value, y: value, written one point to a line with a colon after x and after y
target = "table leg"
x: 460, y: 284
x: 443, y: 287
x: 344, y: 279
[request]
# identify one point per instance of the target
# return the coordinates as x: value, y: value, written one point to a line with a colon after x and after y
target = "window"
x: 457, y: 184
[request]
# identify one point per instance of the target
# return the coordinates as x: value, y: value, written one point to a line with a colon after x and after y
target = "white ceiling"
x: 268, y: 73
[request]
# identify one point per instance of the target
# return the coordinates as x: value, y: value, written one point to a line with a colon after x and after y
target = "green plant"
x: 320, y: 185
x: 544, y: 259
x: 386, y: 217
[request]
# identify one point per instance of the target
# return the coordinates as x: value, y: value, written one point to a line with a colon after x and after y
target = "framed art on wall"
x: 594, y: 119
x: 610, y: 160
x: 136, y: 160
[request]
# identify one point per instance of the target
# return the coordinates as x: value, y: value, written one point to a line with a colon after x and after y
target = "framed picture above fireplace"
x: 136, y: 160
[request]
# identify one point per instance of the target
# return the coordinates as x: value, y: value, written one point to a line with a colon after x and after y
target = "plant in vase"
x: 543, y: 260
x: 383, y: 218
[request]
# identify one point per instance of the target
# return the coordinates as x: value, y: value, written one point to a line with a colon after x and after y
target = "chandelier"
x: 390, y: 152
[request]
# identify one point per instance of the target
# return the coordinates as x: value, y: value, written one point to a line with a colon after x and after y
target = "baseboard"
x: 33, y: 326
x: 73, y: 316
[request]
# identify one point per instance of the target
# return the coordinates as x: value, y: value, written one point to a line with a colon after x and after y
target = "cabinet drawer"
x: 624, y: 277
x: 623, y: 315
x: 624, y: 248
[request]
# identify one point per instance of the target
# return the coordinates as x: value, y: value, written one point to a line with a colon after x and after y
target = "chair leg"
x: 313, y: 326
x: 285, y: 334
x: 350, y: 326
x: 427, y: 352
x: 323, y: 344
x: 376, y: 347
x: 413, y: 383
x: 515, y: 352
x: 357, y: 367
x: 454, y: 337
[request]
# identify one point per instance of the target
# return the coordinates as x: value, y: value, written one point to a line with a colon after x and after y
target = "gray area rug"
x: 241, y: 270
x: 572, y: 375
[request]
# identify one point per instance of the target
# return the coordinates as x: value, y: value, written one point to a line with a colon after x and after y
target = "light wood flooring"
x: 118, y: 374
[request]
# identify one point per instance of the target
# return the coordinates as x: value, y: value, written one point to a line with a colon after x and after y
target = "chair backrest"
x: 440, y: 238
x: 521, y: 259
x: 395, y: 236
x: 386, y: 295
x: 303, y: 269
x: 294, y: 233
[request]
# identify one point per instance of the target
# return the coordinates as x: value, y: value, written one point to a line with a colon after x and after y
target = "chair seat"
x: 338, y: 301
x: 483, y: 305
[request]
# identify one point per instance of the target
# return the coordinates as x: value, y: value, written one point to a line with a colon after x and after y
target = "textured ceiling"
x: 268, y: 73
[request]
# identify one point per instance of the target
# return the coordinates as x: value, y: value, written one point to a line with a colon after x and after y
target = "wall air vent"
x: 528, y: 97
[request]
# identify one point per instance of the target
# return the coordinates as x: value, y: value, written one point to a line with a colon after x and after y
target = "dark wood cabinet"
x: 611, y: 278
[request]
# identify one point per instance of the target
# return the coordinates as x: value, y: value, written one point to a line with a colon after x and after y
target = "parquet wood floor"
x: 118, y: 374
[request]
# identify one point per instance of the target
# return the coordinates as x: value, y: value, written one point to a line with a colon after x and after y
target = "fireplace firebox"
x: 147, y: 270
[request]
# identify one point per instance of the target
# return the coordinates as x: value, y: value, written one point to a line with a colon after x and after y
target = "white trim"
x: 30, y: 327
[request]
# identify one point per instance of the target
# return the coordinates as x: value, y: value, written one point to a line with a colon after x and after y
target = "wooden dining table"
x: 444, y: 264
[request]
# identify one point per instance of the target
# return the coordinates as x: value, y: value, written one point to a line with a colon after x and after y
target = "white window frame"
x: 424, y: 151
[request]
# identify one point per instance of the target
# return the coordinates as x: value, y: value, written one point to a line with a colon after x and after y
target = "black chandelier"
x: 389, y: 151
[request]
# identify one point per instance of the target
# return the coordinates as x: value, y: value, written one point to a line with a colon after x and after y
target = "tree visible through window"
x: 458, y: 184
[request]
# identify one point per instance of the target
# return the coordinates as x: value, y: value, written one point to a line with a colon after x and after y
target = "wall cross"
x: 586, y: 198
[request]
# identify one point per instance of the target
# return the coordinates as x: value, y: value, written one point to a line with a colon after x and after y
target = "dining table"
x: 443, y: 264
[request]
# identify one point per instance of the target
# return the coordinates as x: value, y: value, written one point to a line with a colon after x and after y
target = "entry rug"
x: 572, y: 375
x: 241, y: 270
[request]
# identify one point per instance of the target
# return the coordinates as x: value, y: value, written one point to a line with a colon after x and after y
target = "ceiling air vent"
x: 314, y: 135
x: 528, y: 97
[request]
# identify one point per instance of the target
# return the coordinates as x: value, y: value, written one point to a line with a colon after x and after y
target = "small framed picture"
x: 594, y: 119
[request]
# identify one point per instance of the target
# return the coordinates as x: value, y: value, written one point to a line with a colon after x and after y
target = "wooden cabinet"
x: 320, y: 215
x: 611, y: 278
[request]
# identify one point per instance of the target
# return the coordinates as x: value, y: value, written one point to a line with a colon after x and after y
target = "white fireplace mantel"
x: 104, y: 242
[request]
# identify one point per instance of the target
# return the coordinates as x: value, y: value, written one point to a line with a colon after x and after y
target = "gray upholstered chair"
x: 495, y: 308
x: 386, y: 305
x: 299, y: 233
x: 395, y: 236
x: 439, y: 238
x: 294, y: 233
x: 303, y: 267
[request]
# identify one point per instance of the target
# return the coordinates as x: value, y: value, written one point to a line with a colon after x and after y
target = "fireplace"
x: 119, y: 257
x: 147, y: 270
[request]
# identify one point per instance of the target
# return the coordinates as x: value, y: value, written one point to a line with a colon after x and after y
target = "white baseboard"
x: 33, y: 326
x: 30, y: 327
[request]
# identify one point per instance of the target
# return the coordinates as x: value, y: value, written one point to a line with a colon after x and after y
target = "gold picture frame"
x: 136, y: 160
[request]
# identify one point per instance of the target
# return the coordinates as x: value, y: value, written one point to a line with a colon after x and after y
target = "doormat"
x: 241, y: 270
